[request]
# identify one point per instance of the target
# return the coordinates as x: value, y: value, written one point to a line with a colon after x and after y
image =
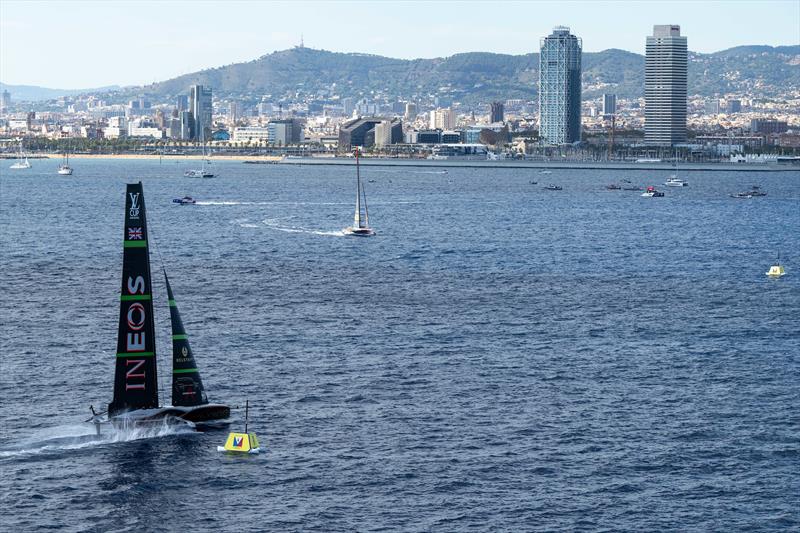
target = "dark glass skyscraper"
x: 560, y: 87
x: 665, y: 87
x: 200, y: 107
x: 497, y: 112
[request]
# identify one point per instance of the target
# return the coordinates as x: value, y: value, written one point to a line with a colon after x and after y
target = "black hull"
x: 210, y: 412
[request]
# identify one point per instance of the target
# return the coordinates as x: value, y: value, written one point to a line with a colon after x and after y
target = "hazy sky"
x: 82, y: 44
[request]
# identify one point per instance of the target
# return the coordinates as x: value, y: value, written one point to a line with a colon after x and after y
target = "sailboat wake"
x: 78, y: 436
x: 212, y: 202
x: 276, y: 225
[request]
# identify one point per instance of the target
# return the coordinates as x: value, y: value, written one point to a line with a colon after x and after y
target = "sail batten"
x: 135, y: 379
x: 187, y: 387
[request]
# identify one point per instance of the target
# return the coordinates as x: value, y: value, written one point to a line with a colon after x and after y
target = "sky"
x: 86, y: 44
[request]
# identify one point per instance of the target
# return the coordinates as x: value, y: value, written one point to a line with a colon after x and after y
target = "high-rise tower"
x: 200, y: 107
x: 665, y: 87
x: 560, y: 87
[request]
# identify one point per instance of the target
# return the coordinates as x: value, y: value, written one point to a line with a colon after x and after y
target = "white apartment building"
x: 253, y: 134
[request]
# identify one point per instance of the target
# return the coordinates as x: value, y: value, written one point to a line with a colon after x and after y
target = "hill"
x: 762, y: 71
x: 32, y: 93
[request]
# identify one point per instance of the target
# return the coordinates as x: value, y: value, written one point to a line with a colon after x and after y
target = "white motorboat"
x: 674, y: 181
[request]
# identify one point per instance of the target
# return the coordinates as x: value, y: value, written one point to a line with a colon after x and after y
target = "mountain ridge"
x: 470, y: 76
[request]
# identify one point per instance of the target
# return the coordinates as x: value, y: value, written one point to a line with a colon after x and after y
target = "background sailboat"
x: 360, y: 225
x: 64, y: 169
x: 202, y: 172
x: 22, y: 159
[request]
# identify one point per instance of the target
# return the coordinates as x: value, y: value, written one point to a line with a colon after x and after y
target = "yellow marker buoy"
x: 776, y: 271
x: 241, y: 442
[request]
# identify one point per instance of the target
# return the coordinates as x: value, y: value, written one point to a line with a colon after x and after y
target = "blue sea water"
x: 498, y: 358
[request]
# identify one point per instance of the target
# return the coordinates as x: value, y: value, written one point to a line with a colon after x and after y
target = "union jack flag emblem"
x: 134, y: 234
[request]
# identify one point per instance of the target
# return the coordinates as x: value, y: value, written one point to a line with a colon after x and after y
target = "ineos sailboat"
x: 135, y: 380
x: 360, y: 225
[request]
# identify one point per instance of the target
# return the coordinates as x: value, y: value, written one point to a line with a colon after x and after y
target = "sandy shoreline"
x: 171, y: 157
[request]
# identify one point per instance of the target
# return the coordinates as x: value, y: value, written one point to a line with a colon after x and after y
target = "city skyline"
x: 142, y: 31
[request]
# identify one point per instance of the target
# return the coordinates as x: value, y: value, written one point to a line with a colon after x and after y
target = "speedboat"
x: 545, y: 172
x: 674, y: 181
x: 776, y: 271
x: 552, y: 187
x: 65, y: 170
x: 186, y: 200
x: 755, y: 191
x: 613, y: 187
x: 651, y: 192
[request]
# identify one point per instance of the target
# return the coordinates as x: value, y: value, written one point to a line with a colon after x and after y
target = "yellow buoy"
x: 241, y: 442
x: 776, y: 271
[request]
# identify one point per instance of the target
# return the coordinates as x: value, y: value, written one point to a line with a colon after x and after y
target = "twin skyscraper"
x: 665, y: 87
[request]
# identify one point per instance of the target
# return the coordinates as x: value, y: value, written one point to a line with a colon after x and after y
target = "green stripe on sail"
x: 131, y: 297
x: 180, y: 337
x: 135, y: 244
x: 184, y: 370
x: 135, y: 354
x: 172, y: 303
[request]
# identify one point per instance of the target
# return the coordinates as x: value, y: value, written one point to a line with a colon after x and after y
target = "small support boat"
x: 241, y: 442
x: 552, y: 187
x: 651, y: 192
x: 613, y: 187
x: 674, y: 181
x: 186, y: 200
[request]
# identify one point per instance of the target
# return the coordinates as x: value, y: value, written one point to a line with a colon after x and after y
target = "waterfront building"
x: 200, y: 107
x: 496, y: 112
x: 560, y: 87
x: 767, y: 126
x: 383, y: 133
x: 443, y: 119
x: 349, y: 105
x: 285, y: 132
x: 251, y: 134
x: 432, y: 136
x: 665, y: 86
x: 411, y: 111
x: 361, y: 132
x: 734, y: 106
x: 609, y: 105
x: 186, y: 125
x: 233, y: 112
x: 182, y: 103
x: 471, y: 135
x: 451, y: 137
x: 5, y: 101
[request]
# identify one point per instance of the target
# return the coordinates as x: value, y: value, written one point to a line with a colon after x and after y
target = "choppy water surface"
x: 499, y: 357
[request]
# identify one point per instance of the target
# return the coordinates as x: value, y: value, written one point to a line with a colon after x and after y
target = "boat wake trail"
x: 276, y: 225
x: 405, y: 171
x: 78, y: 436
x: 212, y: 202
